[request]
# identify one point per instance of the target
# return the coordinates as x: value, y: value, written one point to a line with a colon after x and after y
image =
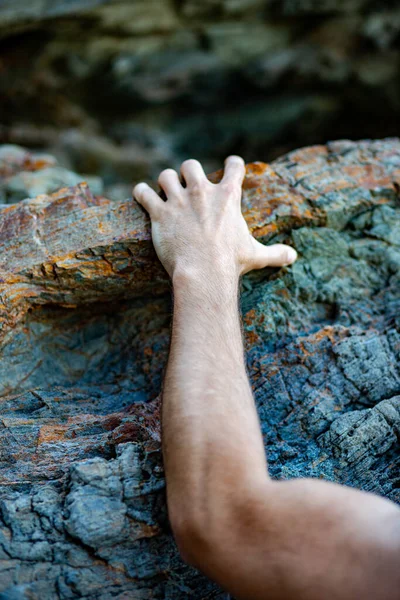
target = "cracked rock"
x: 84, y: 332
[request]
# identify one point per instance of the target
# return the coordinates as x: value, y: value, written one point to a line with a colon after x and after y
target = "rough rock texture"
x: 116, y: 87
x: 26, y: 175
x: 85, y: 312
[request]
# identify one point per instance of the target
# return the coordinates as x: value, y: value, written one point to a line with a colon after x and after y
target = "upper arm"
x: 307, y: 540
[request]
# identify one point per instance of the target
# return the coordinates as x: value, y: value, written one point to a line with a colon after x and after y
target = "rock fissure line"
x: 81, y: 479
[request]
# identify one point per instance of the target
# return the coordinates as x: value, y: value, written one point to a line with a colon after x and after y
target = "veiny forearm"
x: 207, y: 455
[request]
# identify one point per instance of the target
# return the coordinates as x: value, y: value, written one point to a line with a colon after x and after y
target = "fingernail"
x: 291, y: 255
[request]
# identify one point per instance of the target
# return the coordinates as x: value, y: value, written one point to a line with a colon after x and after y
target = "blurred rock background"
x: 121, y: 89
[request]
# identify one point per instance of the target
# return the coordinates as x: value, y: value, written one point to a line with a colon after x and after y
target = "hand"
x: 200, y: 228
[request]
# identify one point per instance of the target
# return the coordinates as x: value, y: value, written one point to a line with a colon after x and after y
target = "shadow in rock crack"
x: 82, y: 486
x: 122, y: 343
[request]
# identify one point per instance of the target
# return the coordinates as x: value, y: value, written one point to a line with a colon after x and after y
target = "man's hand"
x: 201, y: 228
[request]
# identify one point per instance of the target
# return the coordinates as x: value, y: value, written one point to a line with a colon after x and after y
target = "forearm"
x: 211, y: 434
x: 305, y: 539
x: 230, y: 520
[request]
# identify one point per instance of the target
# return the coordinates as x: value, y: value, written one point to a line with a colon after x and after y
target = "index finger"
x: 148, y: 198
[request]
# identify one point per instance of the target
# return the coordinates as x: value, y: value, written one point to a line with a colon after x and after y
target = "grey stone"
x: 46, y: 181
x: 27, y: 175
x: 85, y: 325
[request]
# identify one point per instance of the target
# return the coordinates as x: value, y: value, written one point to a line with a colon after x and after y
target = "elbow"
x: 208, y: 533
x: 193, y: 537
x: 391, y: 552
x: 204, y: 532
x: 207, y: 536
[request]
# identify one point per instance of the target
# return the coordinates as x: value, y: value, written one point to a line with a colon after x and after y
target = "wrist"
x: 211, y: 281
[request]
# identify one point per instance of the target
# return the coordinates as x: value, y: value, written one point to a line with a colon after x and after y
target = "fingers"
x: 148, y: 198
x: 193, y: 173
x: 169, y: 182
x: 277, y: 255
x: 235, y: 170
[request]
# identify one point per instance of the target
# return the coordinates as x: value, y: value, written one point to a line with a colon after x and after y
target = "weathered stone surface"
x: 25, y: 175
x: 85, y: 310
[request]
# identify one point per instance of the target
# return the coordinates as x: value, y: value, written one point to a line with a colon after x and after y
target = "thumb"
x: 277, y: 255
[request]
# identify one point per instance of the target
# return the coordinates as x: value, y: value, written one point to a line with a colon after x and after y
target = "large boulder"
x: 85, y: 314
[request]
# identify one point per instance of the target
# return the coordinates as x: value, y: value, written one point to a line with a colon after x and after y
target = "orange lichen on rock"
x: 85, y: 312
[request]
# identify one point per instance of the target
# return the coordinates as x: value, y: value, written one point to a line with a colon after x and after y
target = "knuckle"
x: 196, y: 191
x: 179, y: 200
x: 229, y: 187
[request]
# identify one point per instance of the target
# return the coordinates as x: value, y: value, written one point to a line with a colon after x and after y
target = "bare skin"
x: 260, y: 539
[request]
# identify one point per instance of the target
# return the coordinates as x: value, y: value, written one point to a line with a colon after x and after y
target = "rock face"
x: 116, y: 87
x: 85, y: 313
